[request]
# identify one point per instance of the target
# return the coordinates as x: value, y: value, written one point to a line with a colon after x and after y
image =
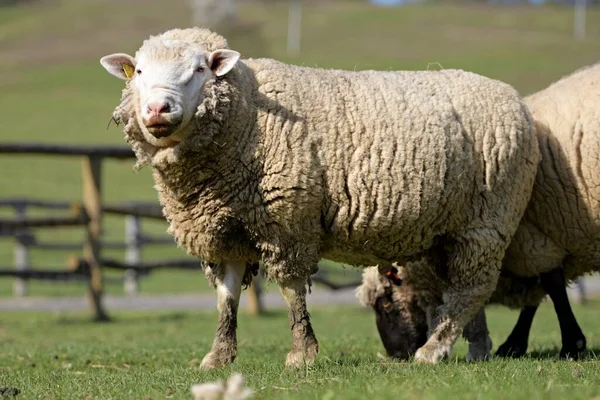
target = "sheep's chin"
x: 167, y: 142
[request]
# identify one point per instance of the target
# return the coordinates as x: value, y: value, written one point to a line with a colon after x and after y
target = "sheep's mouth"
x: 162, y: 130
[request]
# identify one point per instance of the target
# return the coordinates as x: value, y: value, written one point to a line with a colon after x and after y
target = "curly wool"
x: 561, y: 226
x: 293, y: 164
x: 373, y: 286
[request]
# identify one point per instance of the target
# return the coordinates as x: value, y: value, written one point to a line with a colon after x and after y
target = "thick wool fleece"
x: 562, y: 223
x: 561, y: 226
x: 292, y: 164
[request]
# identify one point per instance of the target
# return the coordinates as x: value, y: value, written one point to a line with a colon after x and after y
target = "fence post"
x: 255, y: 305
x: 579, y: 19
x: 91, y: 169
x: 294, y: 28
x: 21, y: 254
x: 133, y: 252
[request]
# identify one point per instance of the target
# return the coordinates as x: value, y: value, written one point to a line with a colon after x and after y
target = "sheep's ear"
x: 222, y: 61
x: 391, y: 273
x: 120, y: 65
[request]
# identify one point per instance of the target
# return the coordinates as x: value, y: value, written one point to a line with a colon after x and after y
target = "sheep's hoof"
x: 431, y: 354
x: 297, y: 359
x: 572, y: 351
x: 215, y: 360
x: 301, y: 358
x: 510, y: 349
x: 480, y: 351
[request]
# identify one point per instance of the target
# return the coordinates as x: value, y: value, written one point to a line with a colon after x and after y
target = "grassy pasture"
x: 156, y: 356
x: 54, y: 90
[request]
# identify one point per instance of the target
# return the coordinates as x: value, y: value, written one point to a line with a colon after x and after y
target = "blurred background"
x: 53, y: 89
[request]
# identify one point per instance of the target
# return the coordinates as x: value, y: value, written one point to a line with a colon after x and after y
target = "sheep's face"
x: 168, y: 80
x: 401, y: 322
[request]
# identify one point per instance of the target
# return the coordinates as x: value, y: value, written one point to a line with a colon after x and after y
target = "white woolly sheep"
x: 259, y: 160
x: 557, y: 241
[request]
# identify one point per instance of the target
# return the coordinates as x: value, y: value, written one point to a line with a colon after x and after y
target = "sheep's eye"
x: 200, y: 69
x: 138, y: 71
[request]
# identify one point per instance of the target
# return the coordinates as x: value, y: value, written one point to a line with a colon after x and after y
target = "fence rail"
x: 115, y: 152
x: 88, y: 214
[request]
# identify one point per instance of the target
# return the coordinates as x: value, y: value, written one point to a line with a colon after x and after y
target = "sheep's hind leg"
x: 517, y: 342
x: 474, y: 263
x: 304, y: 343
x: 573, y: 340
x: 229, y: 286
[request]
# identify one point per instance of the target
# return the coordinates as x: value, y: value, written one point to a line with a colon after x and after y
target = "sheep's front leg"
x: 477, y: 334
x: 228, y: 281
x: 473, y: 271
x: 304, y: 343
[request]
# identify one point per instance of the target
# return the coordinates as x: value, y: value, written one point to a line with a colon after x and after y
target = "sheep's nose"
x: 159, y: 108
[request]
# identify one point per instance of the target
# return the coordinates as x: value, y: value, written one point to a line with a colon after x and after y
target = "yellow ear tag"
x: 128, y: 70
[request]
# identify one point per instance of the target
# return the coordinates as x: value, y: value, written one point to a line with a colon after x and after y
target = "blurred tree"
x: 244, y: 35
x: 212, y: 13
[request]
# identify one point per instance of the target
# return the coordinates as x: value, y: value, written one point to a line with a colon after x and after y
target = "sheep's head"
x: 401, y: 322
x: 168, y: 76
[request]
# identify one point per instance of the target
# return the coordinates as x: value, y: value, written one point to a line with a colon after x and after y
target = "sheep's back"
x: 395, y: 158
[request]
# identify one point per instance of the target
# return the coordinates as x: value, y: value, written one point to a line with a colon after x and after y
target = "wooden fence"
x: 88, y: 214
x: 135, y: 240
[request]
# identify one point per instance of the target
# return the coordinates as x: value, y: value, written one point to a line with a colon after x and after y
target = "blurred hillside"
x: 54, y: 90
x: 528, y: 46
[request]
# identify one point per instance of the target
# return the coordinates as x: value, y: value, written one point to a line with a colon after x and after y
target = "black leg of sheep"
x: 517, y: 342
x: 476, y: 333
x: 573, y: 340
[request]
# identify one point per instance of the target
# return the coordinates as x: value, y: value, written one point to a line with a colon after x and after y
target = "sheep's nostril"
x: 159, y: 108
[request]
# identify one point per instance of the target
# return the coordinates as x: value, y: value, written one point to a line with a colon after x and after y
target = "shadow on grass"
x: 123, y: 319
x: 267, y: 314
x: 146, y: 317
x: 546, y: 354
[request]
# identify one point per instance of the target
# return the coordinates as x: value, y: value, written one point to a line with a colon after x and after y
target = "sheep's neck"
x: 205, y: 196
x: 223, y: 168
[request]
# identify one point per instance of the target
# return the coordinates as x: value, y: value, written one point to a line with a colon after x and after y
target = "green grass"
x: 54, y: 90
x: 156, y: 355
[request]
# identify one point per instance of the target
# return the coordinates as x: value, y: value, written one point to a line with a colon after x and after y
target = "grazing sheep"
x: 405, y: 304
x: 405, y: 308
x: 259, y: 160
x: 557, y: 241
